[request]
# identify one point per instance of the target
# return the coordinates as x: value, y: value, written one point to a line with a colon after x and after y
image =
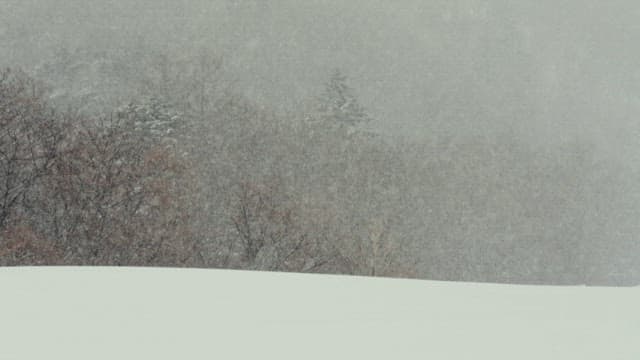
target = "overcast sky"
x: 549, y: 69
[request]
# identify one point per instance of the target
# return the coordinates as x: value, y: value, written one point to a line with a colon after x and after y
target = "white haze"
x: 547, y: 91
x: 577, y: 59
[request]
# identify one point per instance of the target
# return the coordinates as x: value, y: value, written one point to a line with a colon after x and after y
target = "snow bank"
x: 107, y: 313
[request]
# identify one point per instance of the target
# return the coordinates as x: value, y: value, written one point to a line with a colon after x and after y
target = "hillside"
x: 143, y: 313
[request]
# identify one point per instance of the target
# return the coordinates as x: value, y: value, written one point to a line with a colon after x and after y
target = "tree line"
x: 163, y: 162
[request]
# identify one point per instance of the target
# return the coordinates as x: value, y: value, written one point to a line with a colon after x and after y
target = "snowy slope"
x: 101, y: 313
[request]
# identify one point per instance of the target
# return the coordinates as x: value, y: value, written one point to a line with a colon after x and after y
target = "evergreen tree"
x: 339, y: 105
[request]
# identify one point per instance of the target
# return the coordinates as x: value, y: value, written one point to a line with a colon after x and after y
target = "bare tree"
x: 271, y: 230
x: 115, y: 199
x: 29, y: 141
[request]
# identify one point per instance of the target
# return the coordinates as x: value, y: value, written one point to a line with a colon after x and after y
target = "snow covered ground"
x: 107, y: 313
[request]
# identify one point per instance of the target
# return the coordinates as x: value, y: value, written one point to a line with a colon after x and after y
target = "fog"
x: 575, y: 59
x: 556, y: 79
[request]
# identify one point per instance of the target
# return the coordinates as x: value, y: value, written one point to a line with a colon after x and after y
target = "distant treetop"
x: 338, y: 102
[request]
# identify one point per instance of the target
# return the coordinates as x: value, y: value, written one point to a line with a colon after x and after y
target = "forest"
x: 129, y: 153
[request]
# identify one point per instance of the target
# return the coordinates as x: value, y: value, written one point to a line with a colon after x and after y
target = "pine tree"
x: 339, y: 105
